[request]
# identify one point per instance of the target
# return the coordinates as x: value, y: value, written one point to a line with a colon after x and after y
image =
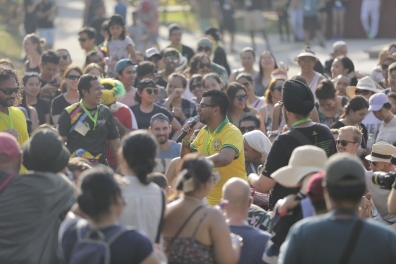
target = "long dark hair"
x: 116, y: 20
x: 232, y: 89
x: 139, y: 149
x: 8, y: 73
x: 193, y: 69
x: 356, y: 103
x: 261, y: 71
x: 347, y: 63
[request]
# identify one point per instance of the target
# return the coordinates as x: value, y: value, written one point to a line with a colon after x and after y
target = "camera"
x: 384, y: 179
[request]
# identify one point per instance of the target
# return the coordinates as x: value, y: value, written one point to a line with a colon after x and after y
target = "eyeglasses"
x: 195, y: 86
x: 242, y: 97
x: 150, y: 91
x: 206, y: 49
x: 203, y: 106
x: 73, y: 77
x: 344, y: 143
x: 384, y: 67
x: 361, y: 92
x: 279, y: 88
x: 82, y: 39
x: 9, y: 91
x: 64, y: 57
x: 204, y: 65
x: 307, y: 59
x: 247, y: 129
x: 171, y: 57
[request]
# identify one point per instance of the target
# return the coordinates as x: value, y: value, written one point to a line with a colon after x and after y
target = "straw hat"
x: 365, y: 83
x: 306, y: 52
x: 303, y: 161
x: 381, y: 152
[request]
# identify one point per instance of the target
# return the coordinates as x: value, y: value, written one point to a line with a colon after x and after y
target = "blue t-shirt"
x: 130, y: 247
x: 172, y: 152
x: 254, y: 242
x: 310, y: 8
x: 121, y: 10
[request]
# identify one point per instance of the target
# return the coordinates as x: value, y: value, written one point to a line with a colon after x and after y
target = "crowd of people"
x: 171, y: 156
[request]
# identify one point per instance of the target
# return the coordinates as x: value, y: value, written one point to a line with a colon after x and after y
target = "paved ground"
x: 70, y: 21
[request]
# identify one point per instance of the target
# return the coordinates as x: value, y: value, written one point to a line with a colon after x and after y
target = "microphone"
x: 192, y: 124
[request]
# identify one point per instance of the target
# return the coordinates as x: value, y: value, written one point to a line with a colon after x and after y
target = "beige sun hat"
x: 366, y: 83
x: 303, y: 161
x: 306, y: 52
x: 382, y: 152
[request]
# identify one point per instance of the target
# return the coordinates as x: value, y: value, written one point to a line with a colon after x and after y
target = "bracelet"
x: 186, y: 140
x: 283, y: 213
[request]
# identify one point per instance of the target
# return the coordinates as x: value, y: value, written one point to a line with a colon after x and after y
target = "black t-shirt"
x: 58, y: 105
x: 48, y: 97
x: 30, y: 18
x: 93, y: 145
x: 253, y: 4
x: 143, y: 119
x: 96, y: 23
x: 279, y: 155
x: 42, y: 109
x: 339, y: 124
x: 28, y: 69
x: 220, y: 57
x: 130, y: 247
x: 44, y: 22
x: 187, y: 52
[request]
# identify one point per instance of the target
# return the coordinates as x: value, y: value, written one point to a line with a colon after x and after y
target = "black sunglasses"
x: 279, y: 88
x: 9, y: 91
x: 73, y: 77
x: 82, y: 39
x: 247, y: 129
x: 242, y: 97
x: 204, y: 65
x: 384, y: 67
x: 64, y: 57
x: 206, y: 49
x: 344, y: 143
x: 150, y: 91
x: 202, y: 106
x: 361, y: 92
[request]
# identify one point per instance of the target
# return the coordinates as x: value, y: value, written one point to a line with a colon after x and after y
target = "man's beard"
x: 162, y: 141
x: 4, y: 103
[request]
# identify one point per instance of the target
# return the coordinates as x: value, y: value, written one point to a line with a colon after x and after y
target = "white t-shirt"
x: 387, y: 132
x: 371, y: 123
x: 118, y: 49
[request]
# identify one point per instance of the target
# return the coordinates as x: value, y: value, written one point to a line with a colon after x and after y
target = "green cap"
x: 344, y: 169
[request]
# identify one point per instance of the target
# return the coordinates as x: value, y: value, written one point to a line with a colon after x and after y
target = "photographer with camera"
x: 379, y: 181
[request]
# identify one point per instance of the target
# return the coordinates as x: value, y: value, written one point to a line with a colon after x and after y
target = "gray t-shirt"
x: 30, y: 209
x: 165, y: 157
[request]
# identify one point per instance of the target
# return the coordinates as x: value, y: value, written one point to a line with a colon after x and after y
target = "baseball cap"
x: 159, y: 116
x: 152, y: 52
x: 297, y: 97
x: 338, y: 45
x: 205, y: 42
x: 9, y: 147
x: 122, y: 64
x: 343, y: 170
x: 377, y: 101
x: 45, y: 151
x: 173, y: 27
x: 146, y: 83
x: 315, y: 187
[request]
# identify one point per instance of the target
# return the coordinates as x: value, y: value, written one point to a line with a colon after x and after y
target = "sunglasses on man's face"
x: 242, y: 97
x: 9, y: 91
x: 344, y: 143
x: 279, y: 88
x: 204, y: 65
x: 171, y: 57
x: 361, y: 92
x: 73, y: 77
x: 205, y: 49
x: 247, y: 129
x: 150, y: 91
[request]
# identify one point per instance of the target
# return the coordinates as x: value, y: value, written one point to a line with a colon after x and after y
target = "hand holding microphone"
x: 187, y: 129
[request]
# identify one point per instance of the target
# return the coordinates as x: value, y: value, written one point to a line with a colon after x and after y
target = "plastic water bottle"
x: 370, y: 141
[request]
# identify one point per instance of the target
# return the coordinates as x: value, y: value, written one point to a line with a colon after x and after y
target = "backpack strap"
x: 299, y: 136
x: 353, y: 238
x: 161, y: 222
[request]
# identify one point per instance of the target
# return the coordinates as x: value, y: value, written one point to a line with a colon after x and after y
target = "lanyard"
x: 181, y: 49
x: 9, y: 124
x: 303, y: 121
x: 95, y: 118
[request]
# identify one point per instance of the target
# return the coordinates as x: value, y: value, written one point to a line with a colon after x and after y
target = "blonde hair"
x: 36, y: 40
x: 357, y: 132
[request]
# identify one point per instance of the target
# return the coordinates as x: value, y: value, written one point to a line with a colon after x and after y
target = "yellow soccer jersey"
x: 18, y: 122
x: 225, y: 136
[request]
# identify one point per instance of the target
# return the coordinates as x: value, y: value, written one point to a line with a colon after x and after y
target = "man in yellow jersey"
x: 12, y: 119
x: 219, y: 140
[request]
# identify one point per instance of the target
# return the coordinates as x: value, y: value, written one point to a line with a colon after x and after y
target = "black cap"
x: 214, y: 32
x: 173, y: 27
x: 297, y: 97
x: 146, y: 83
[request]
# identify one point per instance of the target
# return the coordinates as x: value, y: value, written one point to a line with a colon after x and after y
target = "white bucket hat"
x: 366, y: 83
x: 306, y: 52
x: 382, y: 152
x: 303, y: 161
